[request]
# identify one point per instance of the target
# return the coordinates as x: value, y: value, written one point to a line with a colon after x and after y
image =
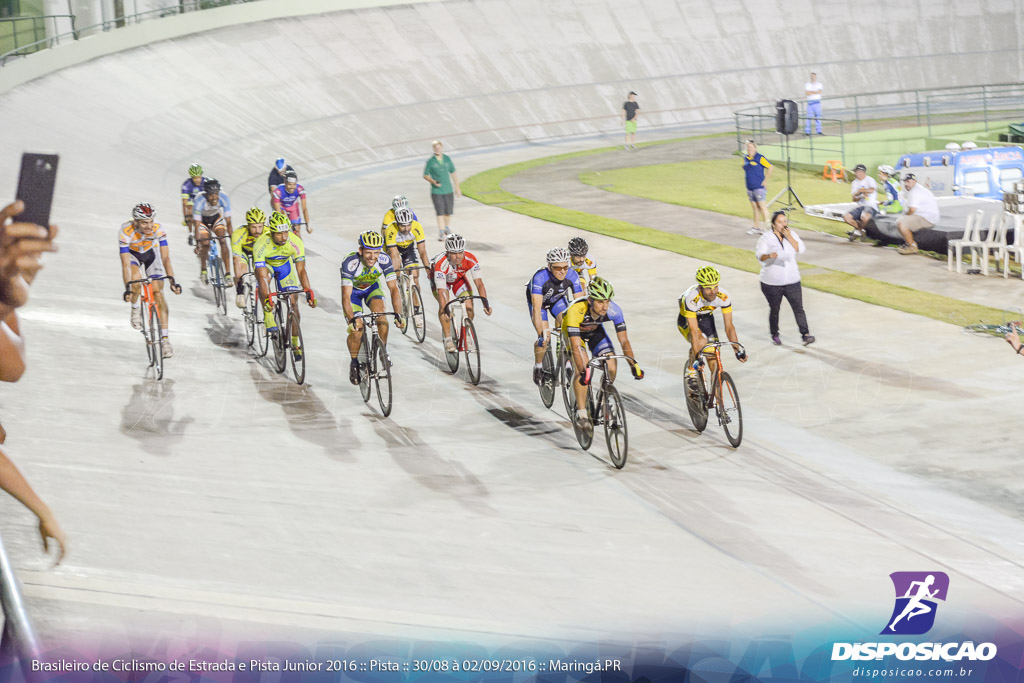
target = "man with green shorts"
x: 630, y: 116
x: 444, y: 185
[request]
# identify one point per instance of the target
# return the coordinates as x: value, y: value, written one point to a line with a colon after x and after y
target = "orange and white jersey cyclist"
x: 450, y: 275
x: 696, y: 320
x: 280, y: 253
x: 144, y: 253
x: 580, y: 260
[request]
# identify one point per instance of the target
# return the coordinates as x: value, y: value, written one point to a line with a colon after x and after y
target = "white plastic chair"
x: 1016, y: 248
x: 970, y: 240
x: 995, y: 242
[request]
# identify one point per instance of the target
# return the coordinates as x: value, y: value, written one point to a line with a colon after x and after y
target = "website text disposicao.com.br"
x: 870, y: 672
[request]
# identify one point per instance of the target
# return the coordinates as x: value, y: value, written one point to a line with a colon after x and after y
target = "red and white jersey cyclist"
x: 450, y: 274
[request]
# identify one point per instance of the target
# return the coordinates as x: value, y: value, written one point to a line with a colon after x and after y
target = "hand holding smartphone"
x: 35, y: 187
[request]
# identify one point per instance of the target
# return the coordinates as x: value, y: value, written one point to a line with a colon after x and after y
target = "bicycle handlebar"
x: 717, y: 344
x: 465, y: 298
x: 373, y: 315
x: 598, y: 360
x: 147, y: 280
x: 290, y: 290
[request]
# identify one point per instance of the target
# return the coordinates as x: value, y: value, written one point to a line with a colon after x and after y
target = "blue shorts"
x: 362, y: 297
x: 757, y: 195
x: 859, y: 211
x: 557, y: 306
x: 599, y: 343
x: 285, y: 275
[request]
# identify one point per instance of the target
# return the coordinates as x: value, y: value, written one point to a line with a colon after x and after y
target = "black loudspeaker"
x: 786, y: 117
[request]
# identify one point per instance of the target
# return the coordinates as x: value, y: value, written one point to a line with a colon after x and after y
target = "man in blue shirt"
x: 757, y: 170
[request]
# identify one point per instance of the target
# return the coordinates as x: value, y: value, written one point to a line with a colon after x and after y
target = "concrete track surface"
x: 227, y: 500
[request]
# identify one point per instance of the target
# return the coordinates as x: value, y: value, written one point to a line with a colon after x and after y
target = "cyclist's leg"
x: 284, y: 275
x: 203, y: 235
x: 355, y: 330
x: 375, y: 300
x: 463, y: 290
x: 601, y: 345
x: 708, y: 329
x: 444, y: 319
x: 221, y: 229
x: 136, y: 273
x: 579, y: 362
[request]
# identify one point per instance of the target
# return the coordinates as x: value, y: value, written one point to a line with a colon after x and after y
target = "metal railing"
x: 19, y: 638
x: 13, y: 29
x: 108, y: 24
x: 761, y: 129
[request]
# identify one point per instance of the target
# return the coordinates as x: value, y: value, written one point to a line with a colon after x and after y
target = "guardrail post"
x: 984, y: 104
x: 928, y: 113
x: 856, y: 114
x: 739, y: 147
x: 842, y: 145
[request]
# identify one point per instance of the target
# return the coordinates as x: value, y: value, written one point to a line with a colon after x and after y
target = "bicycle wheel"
x: 156, y: 343
x: 731, y: 413
x: 614, y: 419
x: 259, y: 325
x: 419, y: 315
x: 382, y: 377
x: 406, y: 304
x: 365, y: 364
x: 280, y: 340
x: 584, y: 434
x: 547, y: 378
x: 472, y: 353
x: 453, y: 357
x: 564, y: 378
x: 697, y: 402
x: 298, y: 366
x: 217, y: 280
x: 248, y: 318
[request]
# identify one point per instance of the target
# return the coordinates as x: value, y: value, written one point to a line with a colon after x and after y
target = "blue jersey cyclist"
x: 211, y: 211
x: 552, y: 289
x: 360, y: 272
x: 288, y: 197
x: 280, y: 253
x: 192, y: 186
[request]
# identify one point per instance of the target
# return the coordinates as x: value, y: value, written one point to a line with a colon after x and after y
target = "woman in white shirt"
x: 780, y: 275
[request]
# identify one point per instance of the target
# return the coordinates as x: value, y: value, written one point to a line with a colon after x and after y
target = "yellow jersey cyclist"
x: 397, y: 202
x: 242, y: 241
x: 583, y: 322
x: 192, y: 186
x: 360, y: 272
x: 280, y: 252
x: 406, y: 242
x: 696, y: 320
x: 144, y: 253
x: 584, y: 265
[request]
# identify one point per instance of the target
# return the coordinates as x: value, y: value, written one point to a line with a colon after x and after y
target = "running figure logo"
x: 916, y: 593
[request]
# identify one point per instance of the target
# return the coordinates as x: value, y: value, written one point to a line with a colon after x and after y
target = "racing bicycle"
x: 463, y: 335
x: 151, y: 321
x: 215, y: 271
x: 287, y: 328
x: 412, y: 303
x: 720, y: 394
x: 374, y: 363
x: 605, y: 409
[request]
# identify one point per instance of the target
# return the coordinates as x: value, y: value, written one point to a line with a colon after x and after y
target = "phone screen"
x: 35, y: 187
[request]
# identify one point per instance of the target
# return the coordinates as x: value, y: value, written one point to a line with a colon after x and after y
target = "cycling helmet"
x: 600, y: 289
x: 399, y: 202
x: 195, y: 170
x: 885, y: 168
x: 279, y: 164
x: 211, y: 185
x: 255, y: 215
x: 143, y: 212
x: 279, y: 222
x: 371, y: 239
x: 558, y: 255
x: 578, y: 246
x: 291, y: 176
x: 454, y: 244
x: 707, y: 276
x: 403, y: 216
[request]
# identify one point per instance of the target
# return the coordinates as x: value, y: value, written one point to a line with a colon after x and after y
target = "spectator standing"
x: 780, y: 275
x: 864, y: 191
x: 21, y: 245
x: 920, y: 211
x: 277, y: 175
x: 757, y: 170
x: 630, y: 116
x: 444, y: 185
x: 812, y: 90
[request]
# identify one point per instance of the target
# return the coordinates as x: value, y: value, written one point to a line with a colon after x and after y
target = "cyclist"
x: 242, y: 241
x: 211, y: 210
x: 397, y: 202
x: 696, y: 320
x: 450, y: 274
x: 584, y: 322
x: 139, y: 240
x: 360, y: 271
x: 585, y: 267
x: 405, y: 241
x: 281, y: 252
x: 192, y: 186
x: 551, y: 288
x: 288, y: 197
x: 889, y: 183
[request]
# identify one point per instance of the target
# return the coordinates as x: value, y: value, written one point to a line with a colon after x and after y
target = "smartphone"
x: 35, y: 187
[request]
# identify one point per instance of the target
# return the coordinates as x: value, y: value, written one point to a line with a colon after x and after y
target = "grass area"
x: 486, y: 188
x: 717, y: 185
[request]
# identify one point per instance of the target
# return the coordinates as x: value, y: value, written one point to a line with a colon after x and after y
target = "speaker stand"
x: 791, y: 195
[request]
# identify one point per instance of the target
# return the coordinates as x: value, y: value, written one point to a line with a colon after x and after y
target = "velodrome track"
x: 225, y: 500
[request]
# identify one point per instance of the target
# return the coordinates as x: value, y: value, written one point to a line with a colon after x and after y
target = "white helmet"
x: 403, y: 216
x: 455, y: 243
x: 886, y: 168
x: 952, y: 147
x: 558, y: 255
x: 969, y: 145
x: 399, y: 202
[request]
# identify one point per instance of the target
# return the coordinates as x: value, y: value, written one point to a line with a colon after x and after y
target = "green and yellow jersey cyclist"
x: 584, y: 265
x: 406, y: 242
x: 242, y: 241
x: 192, y: 186
x: 583, y: 322
x: 360, y: 272
x: 696, y: 320
x: 280, y: 252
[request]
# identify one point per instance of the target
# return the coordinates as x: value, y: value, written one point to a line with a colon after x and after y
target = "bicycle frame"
x: 717, y: 353
x: 458, y: 304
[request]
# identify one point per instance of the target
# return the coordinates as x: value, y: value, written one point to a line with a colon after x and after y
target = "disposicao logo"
x: 917, y: 598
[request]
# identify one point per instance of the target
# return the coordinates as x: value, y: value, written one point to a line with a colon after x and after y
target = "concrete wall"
x: 344, y: 88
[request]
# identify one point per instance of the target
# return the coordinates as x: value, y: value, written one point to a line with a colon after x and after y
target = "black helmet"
x: 211, y: 185
x: 578, y: 246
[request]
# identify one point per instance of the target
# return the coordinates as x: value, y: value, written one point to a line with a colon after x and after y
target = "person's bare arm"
x: 14, y: 483
x: 12, y: 350
x: 455, y: 181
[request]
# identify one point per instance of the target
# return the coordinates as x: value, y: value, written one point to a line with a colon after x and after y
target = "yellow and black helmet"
x: 371, y: 239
